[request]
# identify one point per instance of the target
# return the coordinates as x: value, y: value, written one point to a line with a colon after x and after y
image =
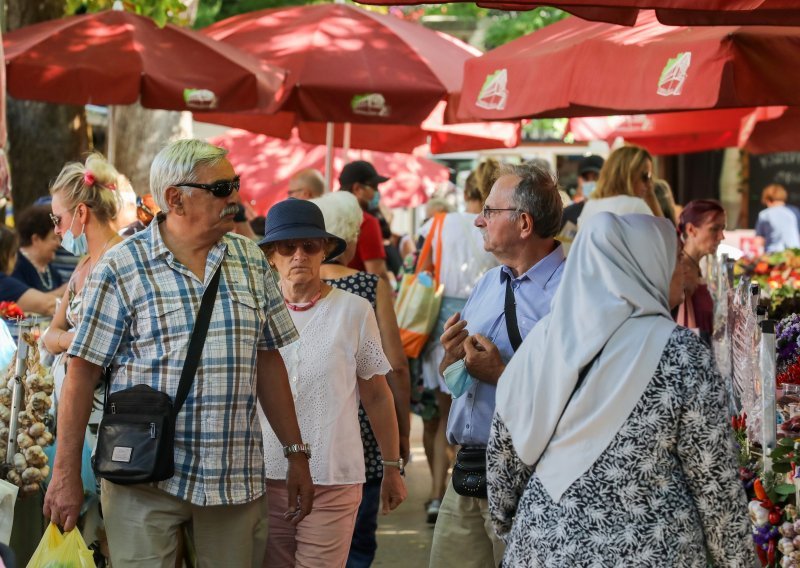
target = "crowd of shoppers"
x: 586, y: 419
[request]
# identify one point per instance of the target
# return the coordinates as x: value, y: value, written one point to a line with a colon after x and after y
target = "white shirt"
x: 619, y: 205
x: 463, y: 259
x: 339, y: 341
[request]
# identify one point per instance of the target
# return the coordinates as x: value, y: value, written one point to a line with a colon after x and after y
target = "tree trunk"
x: 140, y: 134
x: 41, y: 136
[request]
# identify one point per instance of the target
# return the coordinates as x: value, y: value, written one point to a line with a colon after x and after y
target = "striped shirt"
x: 140, y: 316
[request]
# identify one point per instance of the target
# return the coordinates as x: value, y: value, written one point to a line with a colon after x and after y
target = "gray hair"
x: 537, y: 194
x: 342, y: 214
x: 177, y: 163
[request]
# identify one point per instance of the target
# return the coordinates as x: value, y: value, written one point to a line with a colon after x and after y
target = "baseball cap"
x: 360, y: 172
x: 589, y: 164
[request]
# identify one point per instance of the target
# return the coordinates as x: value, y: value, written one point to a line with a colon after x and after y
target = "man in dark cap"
x: 588, y: 172
x: 361, y: 179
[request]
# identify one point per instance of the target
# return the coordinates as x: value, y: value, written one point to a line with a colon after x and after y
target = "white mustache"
x: 231, y: 209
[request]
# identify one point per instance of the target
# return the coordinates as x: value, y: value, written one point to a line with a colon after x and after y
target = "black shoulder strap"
x: 510, y: 310
x: 197, y: 342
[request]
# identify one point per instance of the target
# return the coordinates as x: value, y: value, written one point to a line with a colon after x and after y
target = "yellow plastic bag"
x: 61, y: 551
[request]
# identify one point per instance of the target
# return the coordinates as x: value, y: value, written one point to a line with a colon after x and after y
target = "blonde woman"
x: 85, y: 204
x: 625, y: 185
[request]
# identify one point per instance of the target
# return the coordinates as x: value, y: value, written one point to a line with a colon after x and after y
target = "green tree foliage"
x: 511, y: 25
x: 210, y: 11
x: 162, y: 11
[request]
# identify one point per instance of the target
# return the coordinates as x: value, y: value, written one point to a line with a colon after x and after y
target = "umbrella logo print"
x: 200, y: 98
x: 494, y: 93
x: 371, y: 104
x: 673, y: 76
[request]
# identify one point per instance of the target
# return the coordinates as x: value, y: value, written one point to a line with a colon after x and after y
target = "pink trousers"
x: 322, y: 538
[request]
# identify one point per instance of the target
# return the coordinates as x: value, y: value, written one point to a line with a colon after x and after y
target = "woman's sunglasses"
x: 287, y: 248
x: 222, y: 188
x: 647, y: 177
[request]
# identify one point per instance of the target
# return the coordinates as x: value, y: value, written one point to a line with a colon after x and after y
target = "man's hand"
x: 64, y: 498
x: 301, y: 489
x: 393, y: 489
x: 453, y: 338
x: 483, y: 359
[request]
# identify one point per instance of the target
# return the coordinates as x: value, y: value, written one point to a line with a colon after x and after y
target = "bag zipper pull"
x: 153, y: 430
x: 113, y: 408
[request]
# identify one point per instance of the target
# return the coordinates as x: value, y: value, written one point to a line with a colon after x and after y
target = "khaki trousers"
x: 142, y: 524
x: 463, y: 535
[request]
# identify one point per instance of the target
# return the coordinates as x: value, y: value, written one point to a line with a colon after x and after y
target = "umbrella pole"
x: 110, y: 136
x: 329, y: 156
x: 346, y: 143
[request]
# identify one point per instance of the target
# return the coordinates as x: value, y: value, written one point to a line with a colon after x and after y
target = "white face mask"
x: 588, y: 187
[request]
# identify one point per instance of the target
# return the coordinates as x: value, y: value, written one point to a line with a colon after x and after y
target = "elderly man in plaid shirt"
x: 142, y: 300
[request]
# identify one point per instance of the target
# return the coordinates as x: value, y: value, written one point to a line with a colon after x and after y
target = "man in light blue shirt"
x: 520, y: 218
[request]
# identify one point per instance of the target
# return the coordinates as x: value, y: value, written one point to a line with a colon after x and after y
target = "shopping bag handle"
x: 435, y: 232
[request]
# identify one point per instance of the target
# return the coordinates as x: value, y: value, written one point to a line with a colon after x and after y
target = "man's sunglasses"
x: 287, y: 248
x: 222, y: 188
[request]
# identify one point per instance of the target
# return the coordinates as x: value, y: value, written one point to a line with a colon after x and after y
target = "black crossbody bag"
x: 136, y: 438
x: 469, y: 471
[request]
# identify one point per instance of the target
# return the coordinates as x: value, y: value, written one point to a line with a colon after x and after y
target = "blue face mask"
x: 588, y: 187
x: 457, y: 378
x: 78, y: 246
x: 373, y: 203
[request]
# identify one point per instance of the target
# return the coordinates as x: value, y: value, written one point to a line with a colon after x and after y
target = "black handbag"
x: 469, y: 473
x: 136, y: 438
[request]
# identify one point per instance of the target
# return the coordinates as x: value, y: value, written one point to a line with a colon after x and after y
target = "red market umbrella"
x: 670, y: 12
x: 771, y: 129
x: 265, y: 165
x: 443, y: 138
x: 666, y: 133
x: 578, y: 68
x: 348, y: 64
x: 118, y: 58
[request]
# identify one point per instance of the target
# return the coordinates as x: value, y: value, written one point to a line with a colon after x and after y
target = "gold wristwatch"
x: 297, y: 449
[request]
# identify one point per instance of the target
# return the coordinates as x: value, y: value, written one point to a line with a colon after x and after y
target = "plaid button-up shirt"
x: 139, y: 316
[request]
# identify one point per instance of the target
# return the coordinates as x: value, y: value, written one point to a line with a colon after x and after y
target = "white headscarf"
x: 614, y: 297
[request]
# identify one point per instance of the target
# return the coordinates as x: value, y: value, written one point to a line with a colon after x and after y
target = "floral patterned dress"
x: 664, y: 493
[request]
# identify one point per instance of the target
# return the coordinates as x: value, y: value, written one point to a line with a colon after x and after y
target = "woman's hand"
x: 393, y: 489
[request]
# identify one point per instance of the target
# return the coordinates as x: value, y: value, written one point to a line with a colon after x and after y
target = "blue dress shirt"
x: 471, y: 414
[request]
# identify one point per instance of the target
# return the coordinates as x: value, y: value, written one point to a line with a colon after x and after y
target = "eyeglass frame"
x: 646, y: 177
x: 56, y: 219
x: 232, y: 185
x: 487, y: 211
x: 300, y: 243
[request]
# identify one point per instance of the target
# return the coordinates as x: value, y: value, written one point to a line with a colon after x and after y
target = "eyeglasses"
x: 222, y: 188
x: 56, y: 219
x: 488, y: 211
x: 287, y: 248
x: 647, y: 177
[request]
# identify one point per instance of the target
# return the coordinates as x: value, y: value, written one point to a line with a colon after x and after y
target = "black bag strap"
x: 196, y: 343
x: 510, y: 310
x: 581, y: 377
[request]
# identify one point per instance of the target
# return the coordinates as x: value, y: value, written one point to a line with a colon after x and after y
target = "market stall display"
x: 25, y: 402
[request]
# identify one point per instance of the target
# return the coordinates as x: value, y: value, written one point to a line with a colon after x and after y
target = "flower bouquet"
x: 10, y: 310
x: 779, y: 275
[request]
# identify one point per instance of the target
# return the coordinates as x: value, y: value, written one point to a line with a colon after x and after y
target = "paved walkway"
x: 404, y: 538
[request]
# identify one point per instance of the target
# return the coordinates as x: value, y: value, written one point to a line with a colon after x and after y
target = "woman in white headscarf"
x: 611, y: 444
